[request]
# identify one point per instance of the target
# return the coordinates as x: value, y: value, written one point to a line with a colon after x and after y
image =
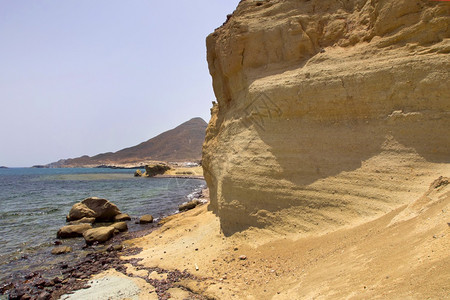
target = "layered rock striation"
x: 328, y: 112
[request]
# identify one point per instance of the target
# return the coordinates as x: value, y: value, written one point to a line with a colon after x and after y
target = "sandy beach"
x: 354, y: 262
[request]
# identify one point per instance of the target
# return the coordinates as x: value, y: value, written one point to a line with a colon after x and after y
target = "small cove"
x: 34, y: 203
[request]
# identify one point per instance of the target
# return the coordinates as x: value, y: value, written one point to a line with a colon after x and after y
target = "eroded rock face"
x: 153, y: 170
x: 328, y: 112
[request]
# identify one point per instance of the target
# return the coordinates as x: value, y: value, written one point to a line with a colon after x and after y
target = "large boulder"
x: 70, y: 231
x: 98, y: 208
x: 100, y: 234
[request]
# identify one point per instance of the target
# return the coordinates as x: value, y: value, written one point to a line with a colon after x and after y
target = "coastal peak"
x: 182, y: 143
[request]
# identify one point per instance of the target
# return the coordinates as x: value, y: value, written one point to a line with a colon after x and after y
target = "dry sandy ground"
x: 114, y: 286
x: 403, y: 254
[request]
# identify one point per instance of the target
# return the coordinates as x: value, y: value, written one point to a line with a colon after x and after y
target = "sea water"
x: 34, y: 204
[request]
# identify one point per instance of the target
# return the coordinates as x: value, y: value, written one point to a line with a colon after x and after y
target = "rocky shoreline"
x: 51, y: 282
x: 64, y: 278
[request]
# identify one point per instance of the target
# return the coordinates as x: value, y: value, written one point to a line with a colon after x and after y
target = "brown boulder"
x: 79, y: 211
x: 122, y: 217
x: 100, y: 209
x: 121, y: 226
x: 100, y: 234
x: 70, y: 231
x: 146, y: 219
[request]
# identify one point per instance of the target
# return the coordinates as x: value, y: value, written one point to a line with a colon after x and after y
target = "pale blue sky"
x: 89, y: 76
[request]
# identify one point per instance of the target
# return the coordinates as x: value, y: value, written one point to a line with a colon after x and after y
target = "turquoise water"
x: 34, y: 203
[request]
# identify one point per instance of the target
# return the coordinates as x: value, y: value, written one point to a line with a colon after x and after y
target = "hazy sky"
x: 89, y: 76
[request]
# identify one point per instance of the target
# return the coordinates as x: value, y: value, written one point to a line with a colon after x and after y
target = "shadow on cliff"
x: 301, y: 154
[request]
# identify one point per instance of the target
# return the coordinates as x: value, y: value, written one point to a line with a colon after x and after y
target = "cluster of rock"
x: 84, y: 214
x: 152, y: 170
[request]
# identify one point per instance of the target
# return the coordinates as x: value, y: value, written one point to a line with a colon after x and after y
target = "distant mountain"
x: 181, y: 144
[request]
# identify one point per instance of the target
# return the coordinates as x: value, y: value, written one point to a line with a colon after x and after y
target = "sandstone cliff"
x: 329, y: 112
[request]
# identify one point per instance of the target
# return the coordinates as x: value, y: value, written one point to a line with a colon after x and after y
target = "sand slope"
x: 403, y: 254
